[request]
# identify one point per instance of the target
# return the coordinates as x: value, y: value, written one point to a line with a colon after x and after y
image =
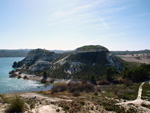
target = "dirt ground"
x: 140, y: 58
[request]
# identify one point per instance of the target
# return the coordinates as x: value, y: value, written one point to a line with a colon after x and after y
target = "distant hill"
x: 14, y: 53
x: 22, y: 52
x: 61, y: 51
x: 146, y: 51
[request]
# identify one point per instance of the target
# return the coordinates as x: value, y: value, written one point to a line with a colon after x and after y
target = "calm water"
x: 10, y: 85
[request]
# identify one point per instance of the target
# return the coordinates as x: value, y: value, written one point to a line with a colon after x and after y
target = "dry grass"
x: 17, y: 105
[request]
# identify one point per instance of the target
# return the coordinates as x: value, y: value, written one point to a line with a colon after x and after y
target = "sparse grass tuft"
x: 16, y: 105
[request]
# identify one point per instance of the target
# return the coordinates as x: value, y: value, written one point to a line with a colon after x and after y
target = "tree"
x: 110, y: 71
x: 45, y: 74
x: 92, y: 79
x: 14, y: 65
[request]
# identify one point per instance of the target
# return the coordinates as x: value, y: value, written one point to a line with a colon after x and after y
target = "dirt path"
x: 138, y: 101
x: 140, y: 91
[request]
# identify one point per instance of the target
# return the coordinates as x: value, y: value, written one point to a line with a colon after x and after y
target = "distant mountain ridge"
x: 24, y: 52
x: 14, y: 53
x: 146, y: 51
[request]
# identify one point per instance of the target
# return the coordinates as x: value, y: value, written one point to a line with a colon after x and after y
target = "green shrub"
x: 109, y: 105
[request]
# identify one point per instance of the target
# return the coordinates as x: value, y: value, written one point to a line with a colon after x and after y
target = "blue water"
x: 11, y: 85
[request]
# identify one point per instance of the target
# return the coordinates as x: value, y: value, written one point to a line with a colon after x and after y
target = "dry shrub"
x: 84, y: 82
x: 73, y: 87
x: 54, y: 89
x: 98, y: 88
x: 116, y: 91
x: 63, y: 88
x: 52, y: 80
x: 119, y: 81
x: 103, y: 82
x: 59, y: 88
x: 128, y: 82
x: 131, y: 110
x: 88, y: 87
x: 129, y: 91
x: 95, y: 93
x: 76, y: 94
x: 70, y: 107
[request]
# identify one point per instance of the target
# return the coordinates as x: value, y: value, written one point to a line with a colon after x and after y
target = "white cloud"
x: 98, y: 16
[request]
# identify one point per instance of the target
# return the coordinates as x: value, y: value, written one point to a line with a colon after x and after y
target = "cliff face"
x: 95, y: 57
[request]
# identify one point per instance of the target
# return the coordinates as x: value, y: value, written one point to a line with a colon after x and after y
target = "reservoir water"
x: 11, y: 85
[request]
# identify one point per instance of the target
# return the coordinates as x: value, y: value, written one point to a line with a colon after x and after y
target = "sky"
x: 68, y: 24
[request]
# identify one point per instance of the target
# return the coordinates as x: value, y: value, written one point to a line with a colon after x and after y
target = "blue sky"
x: 68, y: 24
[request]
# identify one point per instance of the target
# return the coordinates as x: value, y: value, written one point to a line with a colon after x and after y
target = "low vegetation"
x: 90, y: 47
x: 17, y: 105
x: 136, y: 74
x: 74, y: 88
x: 146, y: 91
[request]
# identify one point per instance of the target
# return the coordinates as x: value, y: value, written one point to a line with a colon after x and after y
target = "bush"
x: 52, y: 80
x: 73, y: 87
x: 59, y: 88
x: 76, y: 94
x: 95, y: 93
x: 119, y: 81
x: 84, y: 82
x: 128, y: 82
x: 88, y: 87
x: 103, y: 82
x: 82, y: 102
x: 54, y: 89
x: 131, y: 110
x: 116, y: 90
x: 145, y: 105
x: 109, y: 105
x: 63, y: 88
x: 57, y: 110
x: 16, y: 105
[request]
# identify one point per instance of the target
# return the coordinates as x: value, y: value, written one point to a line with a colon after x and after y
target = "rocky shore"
x: 20, y: 75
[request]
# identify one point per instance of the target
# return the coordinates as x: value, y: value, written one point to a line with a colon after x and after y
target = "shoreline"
x: 33, y: 77
x: 45, y: 86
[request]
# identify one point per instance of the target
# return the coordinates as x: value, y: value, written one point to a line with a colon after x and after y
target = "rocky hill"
x: 80, y: 63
